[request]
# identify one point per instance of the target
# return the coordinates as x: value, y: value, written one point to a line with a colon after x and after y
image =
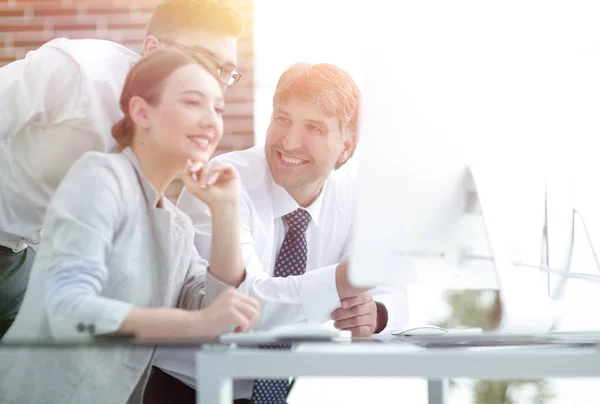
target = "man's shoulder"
x: 96, y: 58
x: 344, y: 179
x: 340, y: 191
x: 90, y: 48
x: 251, y: 165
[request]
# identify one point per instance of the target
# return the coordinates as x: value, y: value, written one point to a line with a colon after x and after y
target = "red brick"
x: 128, y: 25
x: 4, y: 60
x: 137, y: 18
x: 11, y: 12
x: 238, y: 110
x: 235, y: 142
x: 237, y: 126
x: 74, y: 10
x: 49, y: 12
x: 20, y: 28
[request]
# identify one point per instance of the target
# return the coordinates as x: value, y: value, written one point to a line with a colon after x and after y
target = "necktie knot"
x: 298, y: 220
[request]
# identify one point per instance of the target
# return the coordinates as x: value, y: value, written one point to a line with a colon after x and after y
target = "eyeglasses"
x: 228, y: 75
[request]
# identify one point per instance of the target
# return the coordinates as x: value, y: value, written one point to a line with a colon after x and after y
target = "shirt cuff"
x: 101, y: 316
x: 397, y: 317
x: 214, y: 288
x: 318, y: 294
x: 113, y: 314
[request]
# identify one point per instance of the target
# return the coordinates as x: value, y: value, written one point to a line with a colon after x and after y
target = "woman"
x: 117, y: 256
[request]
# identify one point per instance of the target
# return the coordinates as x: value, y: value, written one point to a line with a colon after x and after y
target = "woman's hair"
x: 145, y: 80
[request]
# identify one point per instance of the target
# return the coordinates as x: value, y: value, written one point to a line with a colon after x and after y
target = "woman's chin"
x: 199, y: 156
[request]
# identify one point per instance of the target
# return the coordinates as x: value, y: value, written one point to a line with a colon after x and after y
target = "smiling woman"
x: 173, y: 110
x: 118, y: 258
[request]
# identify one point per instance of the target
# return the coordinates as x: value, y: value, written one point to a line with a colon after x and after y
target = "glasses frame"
x: 228, y: 75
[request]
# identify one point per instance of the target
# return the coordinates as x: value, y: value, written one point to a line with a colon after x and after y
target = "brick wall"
x: 27, y: 24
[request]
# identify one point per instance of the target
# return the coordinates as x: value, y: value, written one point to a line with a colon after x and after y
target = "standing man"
x: 61, y: 102
x: 297, y: 215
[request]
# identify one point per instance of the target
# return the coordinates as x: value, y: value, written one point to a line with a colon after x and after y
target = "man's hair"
x: 329, y: 86
x: 172, y: 17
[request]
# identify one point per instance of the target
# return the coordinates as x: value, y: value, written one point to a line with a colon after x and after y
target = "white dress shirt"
x: 56, y: 104
x: 311, y: 297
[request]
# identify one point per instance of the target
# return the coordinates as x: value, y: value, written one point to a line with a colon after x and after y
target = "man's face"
x: 220, y: 46
x: 303, y: 145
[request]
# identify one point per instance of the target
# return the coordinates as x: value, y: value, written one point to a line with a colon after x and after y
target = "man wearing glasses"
x: 61, y: 102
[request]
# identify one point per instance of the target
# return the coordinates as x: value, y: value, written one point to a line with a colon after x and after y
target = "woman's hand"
x: 216, y: 184
x: 231, y: 310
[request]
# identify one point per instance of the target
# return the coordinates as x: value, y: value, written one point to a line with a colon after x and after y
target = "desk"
x: 216, y: 366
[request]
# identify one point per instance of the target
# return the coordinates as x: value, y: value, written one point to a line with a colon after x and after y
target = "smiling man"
x: 61, y: 102
x: 298, y: 208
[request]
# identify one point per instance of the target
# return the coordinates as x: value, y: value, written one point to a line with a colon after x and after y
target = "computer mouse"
x: 423, y: 330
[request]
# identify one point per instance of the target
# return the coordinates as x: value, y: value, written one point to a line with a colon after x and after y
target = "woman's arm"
x: 231, y: 310
x: 81, y: 221
x: 75, y: 308
x: 226, y: 254
x: 218, y: 186
x: 82, y: 217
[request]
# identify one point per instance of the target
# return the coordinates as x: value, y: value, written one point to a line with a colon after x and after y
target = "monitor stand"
x: 526, y: 306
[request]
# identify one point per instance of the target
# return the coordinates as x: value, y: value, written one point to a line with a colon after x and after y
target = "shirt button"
x: 80, y: 327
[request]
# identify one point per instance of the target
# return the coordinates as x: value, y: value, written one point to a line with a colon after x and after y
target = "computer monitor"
x: 427, y: 218
x: 447, y: 190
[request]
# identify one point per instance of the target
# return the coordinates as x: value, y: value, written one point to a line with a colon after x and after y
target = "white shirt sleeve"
x: 45, y: 87
x: 80, y: 222
x: 311, y: 297
x: 304, y: 298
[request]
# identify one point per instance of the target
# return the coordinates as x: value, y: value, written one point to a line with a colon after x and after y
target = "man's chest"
x: 325, y: 244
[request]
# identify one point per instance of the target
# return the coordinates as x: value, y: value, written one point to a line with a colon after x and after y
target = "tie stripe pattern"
x: 291, y: 260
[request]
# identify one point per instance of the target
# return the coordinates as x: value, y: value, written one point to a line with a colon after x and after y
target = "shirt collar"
x: 150, y: 193
x: 283, y: 203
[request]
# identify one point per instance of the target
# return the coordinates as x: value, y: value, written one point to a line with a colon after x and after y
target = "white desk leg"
x: 437, y: 391
x: 215, y: 390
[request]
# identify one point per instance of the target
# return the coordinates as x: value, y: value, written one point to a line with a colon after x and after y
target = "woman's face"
x: 187, y: 122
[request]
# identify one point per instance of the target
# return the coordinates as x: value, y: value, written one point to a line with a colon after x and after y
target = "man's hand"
x: 360, y: 315
x: 344, y: 288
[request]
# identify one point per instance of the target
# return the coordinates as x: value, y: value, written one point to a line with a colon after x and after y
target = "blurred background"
x: 281, y: 32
